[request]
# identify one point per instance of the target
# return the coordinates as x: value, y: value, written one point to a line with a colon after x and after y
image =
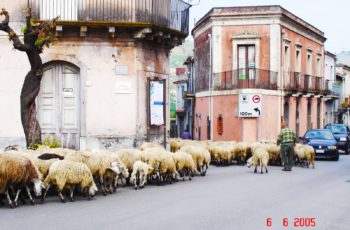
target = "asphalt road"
x: 227, y: 198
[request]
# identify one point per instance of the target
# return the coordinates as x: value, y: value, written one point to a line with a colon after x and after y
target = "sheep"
x: 19, y: 171
x: 97, y: 163
x: 65, y: 174
x: 139, y: 174
x: 184, y: 164
x: 112, y: 175
x: 147, y: 145
x: 274, y: 153
x: 129, y: 157
x: 260, y: 157
x: 199, y: 155
x: 305, y: 152
x: 167, y: 169
x: 176, y: 144
x: 242, y: 151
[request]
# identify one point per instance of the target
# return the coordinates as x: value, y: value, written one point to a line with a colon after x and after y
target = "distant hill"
x: 344, y: 57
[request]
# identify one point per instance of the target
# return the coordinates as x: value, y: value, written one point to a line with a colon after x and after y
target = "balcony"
x: 170, y: 15
x: 251, y: 78
x: 295, y: 82
x: 332, y: 89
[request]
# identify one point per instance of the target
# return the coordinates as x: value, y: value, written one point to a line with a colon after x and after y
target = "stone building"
x: 106, y: 80
x: 256, y: 66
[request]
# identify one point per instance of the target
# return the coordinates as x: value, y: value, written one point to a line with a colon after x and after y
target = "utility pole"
x: 209, y: 85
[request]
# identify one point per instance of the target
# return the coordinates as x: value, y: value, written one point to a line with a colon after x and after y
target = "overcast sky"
x: 330, y: 16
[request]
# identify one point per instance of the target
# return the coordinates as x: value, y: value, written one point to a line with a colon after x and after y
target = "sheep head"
x: 38, y: 186
x: 93, y: 189
x: 250, y: 162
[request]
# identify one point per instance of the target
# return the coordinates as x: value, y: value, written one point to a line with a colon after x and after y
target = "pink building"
x: 256, y: 66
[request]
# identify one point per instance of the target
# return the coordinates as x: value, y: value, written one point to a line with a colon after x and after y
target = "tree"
x: 36, y: 36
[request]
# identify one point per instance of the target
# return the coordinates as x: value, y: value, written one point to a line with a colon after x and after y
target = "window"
x: 297, y: 118
x: 309, y: 65
x: 309, y: 125
x: 286, y: 59
x: 246, y: 61
x: 220, y: 125
x: 286, y: 113
x: 298, y: 62
x: 318, y: 115
x: 208, y: 128
x: 318, y: 70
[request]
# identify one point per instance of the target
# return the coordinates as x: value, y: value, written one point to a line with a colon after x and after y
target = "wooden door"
x: 58, y: 104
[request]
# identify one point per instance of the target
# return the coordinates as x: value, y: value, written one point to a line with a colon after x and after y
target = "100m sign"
x: 246, y: 114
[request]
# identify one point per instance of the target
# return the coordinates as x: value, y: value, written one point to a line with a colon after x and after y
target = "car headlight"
x: 332, y: 147
x: 342, y: 139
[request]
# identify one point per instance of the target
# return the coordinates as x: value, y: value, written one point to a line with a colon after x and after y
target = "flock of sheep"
x: 56, y: 170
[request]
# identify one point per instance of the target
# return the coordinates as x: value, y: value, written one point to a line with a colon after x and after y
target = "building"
x: 333, y: 89
x: 343, y: 79
x: 180, y: 117
x: 256, y: 66
x: 185, y: 98
x: 106, y: 80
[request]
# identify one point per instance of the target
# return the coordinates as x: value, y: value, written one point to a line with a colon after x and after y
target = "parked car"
x: 323, y: 141
x: 342, y: 135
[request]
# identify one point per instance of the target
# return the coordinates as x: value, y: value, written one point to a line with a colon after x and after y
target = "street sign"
x: 250, y: 105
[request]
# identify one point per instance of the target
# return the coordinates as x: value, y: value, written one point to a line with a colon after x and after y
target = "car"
x: 323, y: 141
x: 342, y: 135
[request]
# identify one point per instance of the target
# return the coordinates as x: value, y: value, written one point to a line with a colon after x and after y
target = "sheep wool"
x: 67, y: 173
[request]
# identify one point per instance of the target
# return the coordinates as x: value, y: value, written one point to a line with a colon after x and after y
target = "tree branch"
x: 4, y: 26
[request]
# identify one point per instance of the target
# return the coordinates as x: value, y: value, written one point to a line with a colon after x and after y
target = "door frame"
x: 81, y: 73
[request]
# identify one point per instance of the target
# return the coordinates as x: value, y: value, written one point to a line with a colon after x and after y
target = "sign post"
x: 250, y: 105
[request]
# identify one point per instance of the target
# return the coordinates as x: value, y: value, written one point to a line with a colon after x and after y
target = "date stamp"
x: 297, y: 222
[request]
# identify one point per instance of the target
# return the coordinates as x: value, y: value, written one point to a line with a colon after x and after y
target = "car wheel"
x: 336, y: 158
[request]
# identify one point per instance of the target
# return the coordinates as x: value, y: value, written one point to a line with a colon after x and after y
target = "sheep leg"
x: 103, y: 186
x: 63, y: 200
x: 71, y: 195
x: 9, y: 198
x: 266, y: 169
x: 30, y: 195
x: 44, y: 194
x: 256, y: 169
x: 16, y: 198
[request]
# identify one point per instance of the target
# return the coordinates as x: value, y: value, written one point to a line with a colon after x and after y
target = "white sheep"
x: 139, y: 174
x: 184, y: 164
x: 305, y: 153
x: 260, y: 157
x: 66, y: 174
x: 98, y: 163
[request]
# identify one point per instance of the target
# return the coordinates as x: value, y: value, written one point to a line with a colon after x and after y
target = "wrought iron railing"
x: 173, y: 14
x: 245, y: 78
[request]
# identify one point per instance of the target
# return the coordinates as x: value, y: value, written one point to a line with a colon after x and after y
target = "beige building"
x: 96, y: 90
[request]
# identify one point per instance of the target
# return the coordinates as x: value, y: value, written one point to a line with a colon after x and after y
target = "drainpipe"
x: 280, y: 111
x: 209, y: 84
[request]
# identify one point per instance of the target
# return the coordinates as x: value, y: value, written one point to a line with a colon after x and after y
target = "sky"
x: 330, y: 16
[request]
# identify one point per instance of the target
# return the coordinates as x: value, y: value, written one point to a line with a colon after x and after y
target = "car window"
x: 317, y: 134
x: 338, y: 129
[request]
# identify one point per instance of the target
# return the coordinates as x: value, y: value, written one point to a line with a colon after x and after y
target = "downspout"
x: 209, y: 83
x: 281, y: 115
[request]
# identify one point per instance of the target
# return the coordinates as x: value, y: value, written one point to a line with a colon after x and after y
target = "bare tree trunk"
x: 31, y: 85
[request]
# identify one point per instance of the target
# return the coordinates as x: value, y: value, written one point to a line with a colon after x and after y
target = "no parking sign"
x: 250, y: 105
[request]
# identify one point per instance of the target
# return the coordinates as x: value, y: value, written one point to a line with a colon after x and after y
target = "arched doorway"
x: 59, y: 103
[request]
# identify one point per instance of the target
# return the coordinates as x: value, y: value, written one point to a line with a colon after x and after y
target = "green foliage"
x: 50, y: 141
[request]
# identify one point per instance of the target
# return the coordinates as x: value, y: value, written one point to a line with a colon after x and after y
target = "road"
x: 227, y: 198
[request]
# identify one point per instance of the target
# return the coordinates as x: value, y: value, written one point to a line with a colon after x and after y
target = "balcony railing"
x: 332, y: 88
x: 294, y: 81
x: 245, y: 78
x: 172, y: 14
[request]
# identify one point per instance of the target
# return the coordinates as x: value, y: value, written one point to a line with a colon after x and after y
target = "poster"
x: 156, y: 90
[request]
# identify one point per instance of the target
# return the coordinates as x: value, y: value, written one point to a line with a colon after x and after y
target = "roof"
x: 269, y: 10
x: 330, y: 54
